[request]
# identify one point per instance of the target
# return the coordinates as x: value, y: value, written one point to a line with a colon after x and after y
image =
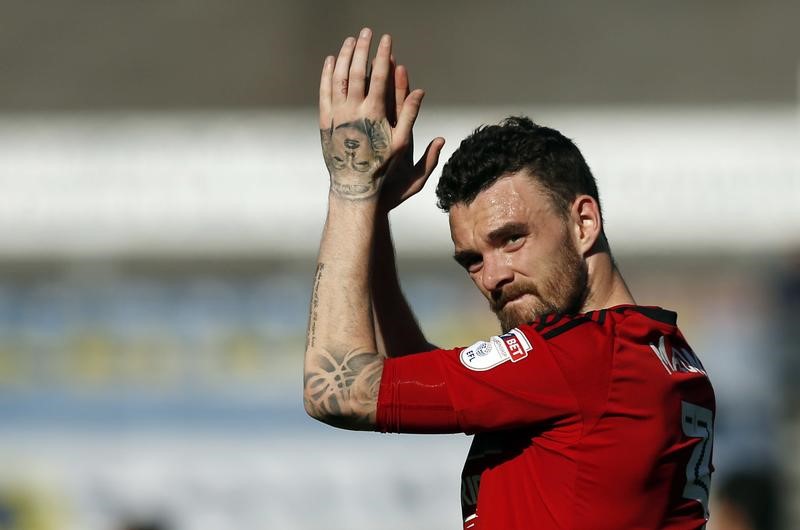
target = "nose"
x: 497, y: 272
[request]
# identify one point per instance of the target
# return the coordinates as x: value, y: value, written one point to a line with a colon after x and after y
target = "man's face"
x: 519, y: 251
x: 351, y: 150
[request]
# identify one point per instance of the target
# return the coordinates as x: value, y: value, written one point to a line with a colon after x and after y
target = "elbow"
x: 312, y: 407
x: 344, y: 394
x: 338, y: 413
x: 311, y: 402
x: 319, y: 408
x: 334, y: 420
x: 321, y: 412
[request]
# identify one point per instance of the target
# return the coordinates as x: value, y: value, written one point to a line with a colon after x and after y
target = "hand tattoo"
x: 355, y: 153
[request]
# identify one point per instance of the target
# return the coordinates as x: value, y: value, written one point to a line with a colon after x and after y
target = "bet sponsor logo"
x: 517, y: 344
x: 485, y: 355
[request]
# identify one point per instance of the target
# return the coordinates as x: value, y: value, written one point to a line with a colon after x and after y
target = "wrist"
x: 367, y: 207
x: 354, y: 191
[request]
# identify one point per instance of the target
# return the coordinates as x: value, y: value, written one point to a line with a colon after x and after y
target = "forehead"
x: 517, y: 198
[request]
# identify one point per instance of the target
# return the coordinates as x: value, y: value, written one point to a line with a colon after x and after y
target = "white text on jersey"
x: 680, y: 360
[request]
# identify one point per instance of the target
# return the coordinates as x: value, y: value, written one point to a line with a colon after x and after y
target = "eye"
x: 474, y: 266
x: 470, y: 263
x: 514, y: 241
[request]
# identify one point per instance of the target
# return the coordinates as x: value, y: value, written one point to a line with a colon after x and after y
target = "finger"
x: 430, y: 158
x: 424, y: 168
x: 389, y: 102
x: 358, y: 67
x: 408, y: 115
x: 380, y: 72
x: 341, y: 71
x: 401, y: 87
x: 325, y: 87
x: 402, y: 90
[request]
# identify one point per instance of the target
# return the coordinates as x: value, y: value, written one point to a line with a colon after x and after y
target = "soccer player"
x: 589, y: 411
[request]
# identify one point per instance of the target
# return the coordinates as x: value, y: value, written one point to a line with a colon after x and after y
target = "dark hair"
x: 493, y: 151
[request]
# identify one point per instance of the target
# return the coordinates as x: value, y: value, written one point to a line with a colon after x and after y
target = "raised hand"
x: 405, y: 178
x: 359, y: 142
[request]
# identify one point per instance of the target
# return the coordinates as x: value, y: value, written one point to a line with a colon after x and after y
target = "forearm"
x: 342, y: 364
x: 343, y: 367
x: 397, y: 330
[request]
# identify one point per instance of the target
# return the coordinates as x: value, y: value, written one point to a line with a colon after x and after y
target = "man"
x: 589, y: 411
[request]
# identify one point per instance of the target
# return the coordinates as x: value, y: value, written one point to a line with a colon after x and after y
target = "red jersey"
x: 602, y: 420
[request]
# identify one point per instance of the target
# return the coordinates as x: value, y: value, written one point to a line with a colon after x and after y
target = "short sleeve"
x: 507, y: 381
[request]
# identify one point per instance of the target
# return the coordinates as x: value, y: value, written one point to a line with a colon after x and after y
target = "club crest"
x: 485, y: 355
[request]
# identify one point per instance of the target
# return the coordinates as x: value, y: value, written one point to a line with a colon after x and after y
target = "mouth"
x: 510, y: 300
x: 518, y: 297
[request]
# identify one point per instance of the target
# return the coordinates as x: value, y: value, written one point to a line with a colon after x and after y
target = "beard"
x: 562, y: 289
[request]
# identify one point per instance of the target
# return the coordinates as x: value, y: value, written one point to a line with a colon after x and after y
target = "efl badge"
x: 485, y: 355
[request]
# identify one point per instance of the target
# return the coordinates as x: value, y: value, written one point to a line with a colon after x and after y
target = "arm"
x: 343, y: 367
x: 397, y: 331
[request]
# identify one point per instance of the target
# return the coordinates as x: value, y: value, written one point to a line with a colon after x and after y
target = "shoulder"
x: 586, y: 338
x: 579, y: 336
x: 599, y: 323
x: 655, y: 314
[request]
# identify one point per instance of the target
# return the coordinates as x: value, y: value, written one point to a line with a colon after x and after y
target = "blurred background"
x: 162, y: 195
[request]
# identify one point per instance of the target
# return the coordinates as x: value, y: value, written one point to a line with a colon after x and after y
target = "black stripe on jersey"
x: 656, y: 313
x: 549, y: 320
x: 543, y: 322
x: 601, y: 316
x: 566, y: 327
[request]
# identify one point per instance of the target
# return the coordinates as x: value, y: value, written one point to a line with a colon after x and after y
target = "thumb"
x: 427, y: 163
x: 430, y: 158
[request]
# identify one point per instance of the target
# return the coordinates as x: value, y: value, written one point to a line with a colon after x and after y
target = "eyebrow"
x: 508, y: 229
x: 466, y: 257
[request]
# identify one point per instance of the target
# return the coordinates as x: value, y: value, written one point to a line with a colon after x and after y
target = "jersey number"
x: 698, y: 422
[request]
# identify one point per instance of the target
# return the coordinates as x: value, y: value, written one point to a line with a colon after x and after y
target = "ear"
x: 586, y: 222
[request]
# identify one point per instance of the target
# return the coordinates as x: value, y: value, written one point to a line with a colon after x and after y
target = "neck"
x: 606, y: 287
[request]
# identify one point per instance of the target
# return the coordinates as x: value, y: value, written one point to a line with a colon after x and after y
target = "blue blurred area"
x: 124, y: 390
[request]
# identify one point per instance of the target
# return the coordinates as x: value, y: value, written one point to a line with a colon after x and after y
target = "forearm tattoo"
x: 342, y: 387
x: 355, y: 153
x: 341, y: 384
x: 311, y: 336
